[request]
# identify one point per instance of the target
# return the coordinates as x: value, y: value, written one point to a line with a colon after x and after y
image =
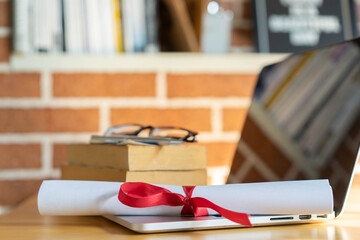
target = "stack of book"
x: 168, y: 164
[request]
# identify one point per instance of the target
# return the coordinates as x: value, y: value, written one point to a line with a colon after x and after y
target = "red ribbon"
x: 143, y: 195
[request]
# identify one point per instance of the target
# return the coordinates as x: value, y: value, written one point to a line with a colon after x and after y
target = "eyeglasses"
x: 174, y: 133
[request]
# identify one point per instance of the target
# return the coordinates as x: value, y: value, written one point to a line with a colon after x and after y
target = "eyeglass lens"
x: 126, y: 129
x: 169, y: 132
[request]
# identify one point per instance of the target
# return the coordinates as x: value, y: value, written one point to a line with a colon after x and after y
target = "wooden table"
x: 24, y: 222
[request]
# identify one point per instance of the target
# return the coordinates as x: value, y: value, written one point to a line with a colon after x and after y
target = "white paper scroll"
x: 62, y: 197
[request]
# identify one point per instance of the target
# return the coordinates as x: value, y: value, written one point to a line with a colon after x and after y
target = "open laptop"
x: 303, y: 123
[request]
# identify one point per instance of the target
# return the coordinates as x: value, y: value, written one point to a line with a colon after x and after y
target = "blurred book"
x: 152, y: 28
x: 291, y: 26
x: 117, y: 26
x: 37, y: 26
x: 85, y: 26
x: 21, y: 26
x: 74, y: 26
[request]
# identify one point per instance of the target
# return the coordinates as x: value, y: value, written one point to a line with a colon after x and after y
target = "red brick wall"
x: 35, y: 125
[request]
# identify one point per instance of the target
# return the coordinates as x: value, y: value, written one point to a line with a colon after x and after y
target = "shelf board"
x: 169, y: 62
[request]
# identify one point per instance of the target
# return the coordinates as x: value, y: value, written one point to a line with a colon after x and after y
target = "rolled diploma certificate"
x: 64, y: 197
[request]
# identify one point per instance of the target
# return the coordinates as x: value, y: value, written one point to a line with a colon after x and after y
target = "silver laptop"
x: 303, y: 123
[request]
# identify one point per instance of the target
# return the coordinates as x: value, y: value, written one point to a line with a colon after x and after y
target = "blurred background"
x: 72, y: 68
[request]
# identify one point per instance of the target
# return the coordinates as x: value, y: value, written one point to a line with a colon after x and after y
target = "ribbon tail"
x: 241, y: 218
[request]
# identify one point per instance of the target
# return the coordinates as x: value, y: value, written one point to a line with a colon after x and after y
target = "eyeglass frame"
x: 152, y: 129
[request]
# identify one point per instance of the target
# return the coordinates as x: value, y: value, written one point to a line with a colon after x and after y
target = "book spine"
x: 81, y: 26
x: 21, y: 17
x: 68, y: 27
x: 45, y: 25
x: 105, y: 10
x: 127, y: 25
x: 93, y: 26
x: 36, y: 15
x: 139, y: 25
x: 62, y: 13
x: 85, y: 6
x: 117, y: 25
x: 151, y: 8
x: 57, y: 30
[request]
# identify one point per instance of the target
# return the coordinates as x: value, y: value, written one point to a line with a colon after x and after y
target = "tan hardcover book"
x: 184, y: 178
x: 133, y: 157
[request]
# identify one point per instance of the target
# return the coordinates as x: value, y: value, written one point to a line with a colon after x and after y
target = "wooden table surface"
x: 24, y: 222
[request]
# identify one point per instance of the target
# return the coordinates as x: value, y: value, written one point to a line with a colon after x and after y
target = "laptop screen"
x: 304, y: 120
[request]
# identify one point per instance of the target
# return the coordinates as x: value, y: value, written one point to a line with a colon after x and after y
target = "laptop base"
x: 153, y: 224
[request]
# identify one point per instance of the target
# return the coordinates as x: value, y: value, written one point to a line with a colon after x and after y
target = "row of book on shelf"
x: 312, y: 97
x: 85, y: 26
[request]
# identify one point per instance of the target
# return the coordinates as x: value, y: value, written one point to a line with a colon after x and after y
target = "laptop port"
x: 322, y: 216
x: 305, y: 217
x: 281, y: 218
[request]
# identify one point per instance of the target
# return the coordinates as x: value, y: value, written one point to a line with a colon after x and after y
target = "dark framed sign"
x: 298, y: 25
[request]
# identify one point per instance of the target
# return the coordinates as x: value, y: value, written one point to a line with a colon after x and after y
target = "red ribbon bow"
x: 142, y: 195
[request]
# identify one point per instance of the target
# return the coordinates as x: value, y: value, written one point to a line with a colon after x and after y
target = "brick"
x: 48, y: 120
x: 234, y: 118
x: 5, y: 49
x: 59, y: 155
x: 5, y: 11
x: 210, y: 85
x: 196, y: 119
x: 220, y: 153
x: 13, y: 192
x: 265, y: 149
x: 242, y: 37
x: 104, y: 85
x: 20, y: 156
x: 19, y: 85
